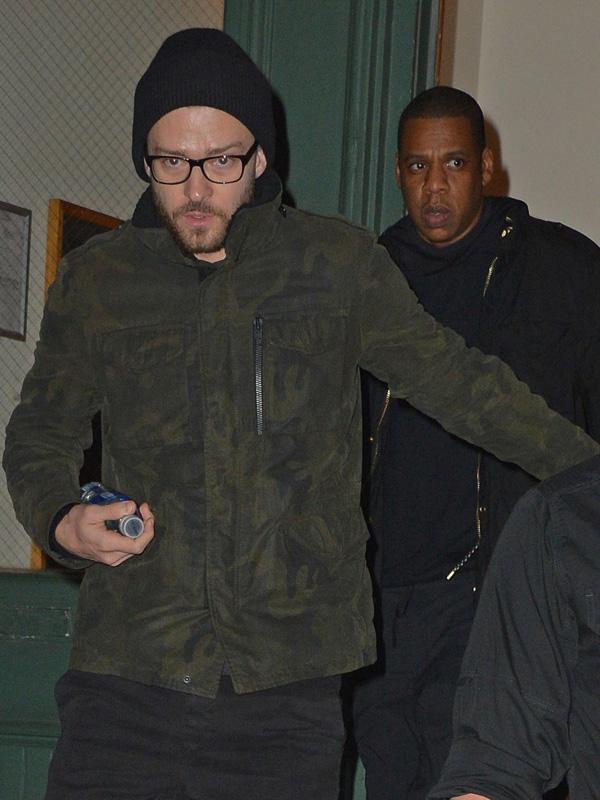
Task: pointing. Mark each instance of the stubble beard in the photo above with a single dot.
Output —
(196, 243)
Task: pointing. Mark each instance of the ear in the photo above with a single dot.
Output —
(147, 168)
(487, 166)
(260, 162)
(397, 170)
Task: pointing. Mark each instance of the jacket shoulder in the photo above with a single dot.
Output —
(333, 226)
(104, 254)
(549, 234)
(100, 244)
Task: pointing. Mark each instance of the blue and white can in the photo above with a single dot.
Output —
(130, 525)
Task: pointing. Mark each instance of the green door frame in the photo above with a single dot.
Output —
(384, 54)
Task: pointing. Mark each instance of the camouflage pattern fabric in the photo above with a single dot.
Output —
(230, 402)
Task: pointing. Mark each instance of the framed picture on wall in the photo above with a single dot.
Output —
(69, 226)
(15, 236)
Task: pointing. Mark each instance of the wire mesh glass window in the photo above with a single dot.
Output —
(69, 70)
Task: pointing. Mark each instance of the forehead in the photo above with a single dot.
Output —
(423, 134)
(199, 126)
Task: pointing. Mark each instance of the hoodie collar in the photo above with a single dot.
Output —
(413, 253)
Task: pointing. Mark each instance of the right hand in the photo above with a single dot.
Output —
(82, 532)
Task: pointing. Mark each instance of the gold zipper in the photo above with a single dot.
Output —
(490, 272)
(375, 437)
(478, 511)
(506, 231)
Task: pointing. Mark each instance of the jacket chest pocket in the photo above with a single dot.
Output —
(534, 342)
(146, 387)
(543, 353)
(299, 372)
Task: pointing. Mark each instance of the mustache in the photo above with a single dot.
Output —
(201, 206)
(436, 209)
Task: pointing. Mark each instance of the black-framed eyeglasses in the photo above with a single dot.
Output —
(225, 168)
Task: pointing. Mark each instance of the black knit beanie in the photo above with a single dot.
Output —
(202, 67)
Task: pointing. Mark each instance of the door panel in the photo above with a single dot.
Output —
(343, 70)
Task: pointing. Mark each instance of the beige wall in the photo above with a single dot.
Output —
(534, 66)
(69, 69)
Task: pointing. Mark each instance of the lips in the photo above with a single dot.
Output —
(197, 218)
(436, 216)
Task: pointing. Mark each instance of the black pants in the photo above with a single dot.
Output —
(122, 740)
(402, 707)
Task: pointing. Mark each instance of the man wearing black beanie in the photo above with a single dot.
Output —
(220, 334)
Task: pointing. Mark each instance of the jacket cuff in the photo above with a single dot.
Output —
(56, 550)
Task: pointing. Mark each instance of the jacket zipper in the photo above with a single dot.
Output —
(375, 438)
(478, 512)
(488, 277)
(478, 507)
(257, 336)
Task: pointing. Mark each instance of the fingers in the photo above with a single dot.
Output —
(146, 514)
(83, 532)
(101, 511)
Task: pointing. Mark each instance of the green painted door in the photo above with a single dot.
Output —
(343, 70)
(36, 617)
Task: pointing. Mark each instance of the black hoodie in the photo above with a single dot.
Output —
(429, 476)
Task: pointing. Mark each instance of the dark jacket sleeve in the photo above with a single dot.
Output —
(511, 737)
(474, 396)
(588, 369)
(51, 426)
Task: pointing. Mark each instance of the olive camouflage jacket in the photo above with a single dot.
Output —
(230, 401)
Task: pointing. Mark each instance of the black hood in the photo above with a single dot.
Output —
(415, 256)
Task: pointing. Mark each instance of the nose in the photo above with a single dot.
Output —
(197, 185)
(436, 181)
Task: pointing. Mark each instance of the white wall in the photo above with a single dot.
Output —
(69, 70)
(534, 66)
(461, 44)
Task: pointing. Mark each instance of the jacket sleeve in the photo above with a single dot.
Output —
(474, 396)
(588, 335)
(511, 735)
(51, 426)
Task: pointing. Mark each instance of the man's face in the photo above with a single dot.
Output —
(198, 213)
(442, 174)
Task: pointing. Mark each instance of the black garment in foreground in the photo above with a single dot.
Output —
(125, 741)
(527, 704)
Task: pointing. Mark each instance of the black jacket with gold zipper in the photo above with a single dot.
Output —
(533, 299)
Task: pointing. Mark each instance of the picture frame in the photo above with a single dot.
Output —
(70, 226)
(15, 242)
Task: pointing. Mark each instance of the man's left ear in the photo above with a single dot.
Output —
(260, 163)
(487, 166)
(397, 171)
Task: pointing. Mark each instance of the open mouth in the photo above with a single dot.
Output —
(436, 216)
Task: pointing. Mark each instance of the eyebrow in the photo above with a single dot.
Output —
(214, 151)
(447, 154)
